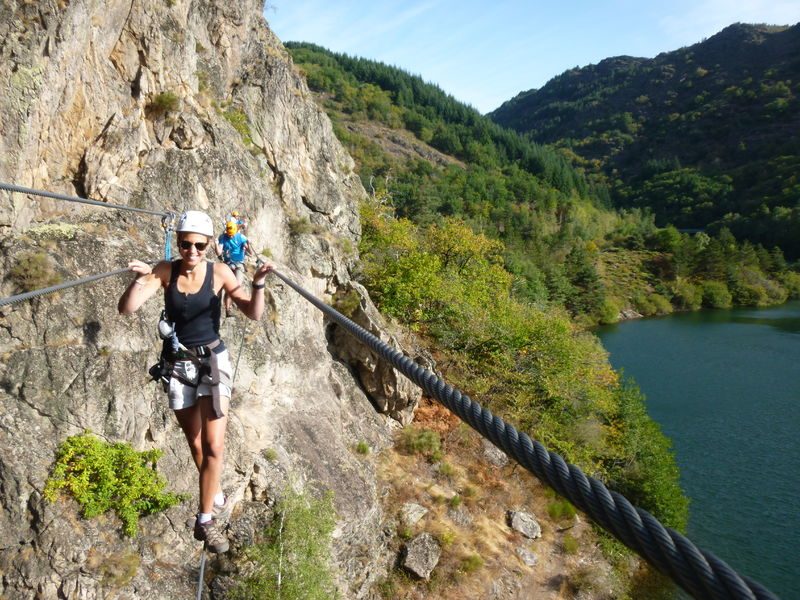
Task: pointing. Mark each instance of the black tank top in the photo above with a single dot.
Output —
(196, 316)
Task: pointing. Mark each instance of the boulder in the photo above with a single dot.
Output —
(421, 555)
(524, 523)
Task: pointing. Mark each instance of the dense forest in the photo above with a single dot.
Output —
(707, 136)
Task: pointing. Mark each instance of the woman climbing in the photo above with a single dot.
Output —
(199, 386)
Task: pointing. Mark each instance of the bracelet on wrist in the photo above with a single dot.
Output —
(138, 281)
(259, 286)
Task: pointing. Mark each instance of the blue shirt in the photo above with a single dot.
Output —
(233, 247)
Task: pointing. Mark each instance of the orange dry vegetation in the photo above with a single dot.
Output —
(467, 499)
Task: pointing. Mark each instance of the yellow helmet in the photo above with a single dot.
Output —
(231, 228)
(235, 213)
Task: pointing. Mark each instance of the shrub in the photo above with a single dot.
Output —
(420, 441)
(686, 295)
(300, 226)
(362, 447)
(791, 281)
(33, 271)
(747, 294)
(609, 311)
(469, 492)
(446, 538)
(716, 295)
(165, 102)
(102, 477)
(347, 302)
(293, 562)
(643, 304)
(455, 501)
(661, 304)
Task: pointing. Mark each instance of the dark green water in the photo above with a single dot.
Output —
(725, 386)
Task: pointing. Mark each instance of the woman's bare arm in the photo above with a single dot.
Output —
(148, 281)
(251, 305)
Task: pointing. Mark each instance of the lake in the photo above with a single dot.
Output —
(725, 386)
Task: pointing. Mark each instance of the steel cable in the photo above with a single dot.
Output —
(24, 190)
(698, 572)
(61, 286)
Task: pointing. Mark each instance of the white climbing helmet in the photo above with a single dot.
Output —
(195, 221)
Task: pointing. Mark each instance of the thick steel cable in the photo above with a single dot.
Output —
(698, 572)
(60, 286)
(24, 190)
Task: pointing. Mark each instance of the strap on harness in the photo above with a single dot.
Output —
(195, 355)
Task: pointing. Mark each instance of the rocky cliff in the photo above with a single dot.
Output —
(168, 106)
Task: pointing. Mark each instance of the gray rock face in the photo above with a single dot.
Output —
(493, 454)
(411, 513)
(421, 555)
(172, 105)
(524, 523)
(391, 391)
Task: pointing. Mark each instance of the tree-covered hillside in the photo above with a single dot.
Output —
(706, 136)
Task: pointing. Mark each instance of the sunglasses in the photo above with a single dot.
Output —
(186, 244)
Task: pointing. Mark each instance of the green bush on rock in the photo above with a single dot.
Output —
(102, 477)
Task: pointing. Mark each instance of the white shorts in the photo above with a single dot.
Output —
(182, 395)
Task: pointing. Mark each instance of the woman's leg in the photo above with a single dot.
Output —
(213, 449)
(190, 421)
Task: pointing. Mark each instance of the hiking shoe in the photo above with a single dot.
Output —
(211, 533)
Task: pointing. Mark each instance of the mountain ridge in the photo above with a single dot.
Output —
(706, 136)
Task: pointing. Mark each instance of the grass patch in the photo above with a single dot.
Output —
(362, 448)
(446, 469)
(561, 510)
(471, 563)
(569, 544)
(239, 121)
(103, 477)
(301, 226)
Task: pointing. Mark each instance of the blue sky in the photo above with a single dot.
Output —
(484, 56)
